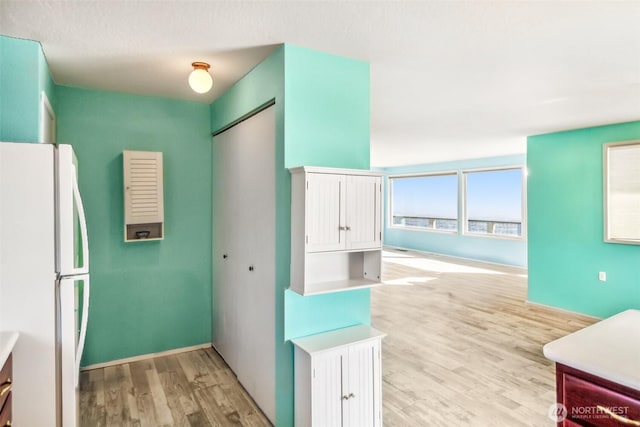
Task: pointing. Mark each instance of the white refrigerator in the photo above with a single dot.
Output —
(44, 279)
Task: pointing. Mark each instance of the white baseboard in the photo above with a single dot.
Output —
(561, 310)
(145, 356)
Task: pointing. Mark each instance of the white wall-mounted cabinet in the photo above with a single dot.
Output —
(338, 379)
(336, 229)
(143, 195)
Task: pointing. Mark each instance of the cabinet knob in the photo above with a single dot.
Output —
(251, 268)
(348, 228)
(349, 396)
(342, 228)
(225, 256)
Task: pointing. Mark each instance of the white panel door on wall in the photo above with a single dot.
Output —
(243, 254)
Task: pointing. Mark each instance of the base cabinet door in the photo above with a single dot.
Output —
(361, 403)
(328, 385)
(338, 379)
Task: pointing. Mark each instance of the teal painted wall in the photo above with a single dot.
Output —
(502, 251)
(566, 247)
(316, 125)
(24, 74)
(150, 296)
(326, 124)
(327, 110)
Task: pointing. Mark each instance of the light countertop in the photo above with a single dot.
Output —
(609, 349)
(7, 341)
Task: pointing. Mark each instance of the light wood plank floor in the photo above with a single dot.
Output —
(463, 347)
(193, 389)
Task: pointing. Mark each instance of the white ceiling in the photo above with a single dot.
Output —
(450, 80)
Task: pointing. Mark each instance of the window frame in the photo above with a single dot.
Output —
(390, 223)
(523, 203)
(607, 179)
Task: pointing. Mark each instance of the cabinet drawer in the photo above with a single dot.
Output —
(592, 404)
(5, 415)
(6, 377)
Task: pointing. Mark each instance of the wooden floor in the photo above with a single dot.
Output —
(194, 389)
(463, 349)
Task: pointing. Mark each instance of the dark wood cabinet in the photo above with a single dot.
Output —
(6, 383)
(593, 401)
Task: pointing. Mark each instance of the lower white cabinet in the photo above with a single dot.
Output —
(338, 378)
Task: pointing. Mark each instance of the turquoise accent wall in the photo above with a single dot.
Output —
(150, 296)
(566, 243)
(322, 114)
(307, 315)
(24, 74)
(327, 110)
(501, 251)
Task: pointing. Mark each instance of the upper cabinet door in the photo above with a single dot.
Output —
(363, 202)
(343, 212)
(325, 212)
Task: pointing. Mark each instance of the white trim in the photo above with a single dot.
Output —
(145, 356)
(46, 109)
(562, 310)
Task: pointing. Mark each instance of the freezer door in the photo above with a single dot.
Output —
(72, 251)
(73, 310)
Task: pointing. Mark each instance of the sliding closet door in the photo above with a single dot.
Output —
(244, 231)
(224, 327)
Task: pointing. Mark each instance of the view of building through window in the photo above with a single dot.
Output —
(492, 198)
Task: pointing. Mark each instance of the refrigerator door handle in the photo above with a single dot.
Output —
(83, 225)
(83, 326)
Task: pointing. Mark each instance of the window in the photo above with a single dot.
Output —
(622, 192)
(425, 202)
(493, 202)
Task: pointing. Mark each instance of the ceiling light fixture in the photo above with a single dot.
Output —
(200, 80)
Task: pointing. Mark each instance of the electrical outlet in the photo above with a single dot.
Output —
(602, 276)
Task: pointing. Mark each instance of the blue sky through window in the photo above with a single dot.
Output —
(493, 195)
(433, 196)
